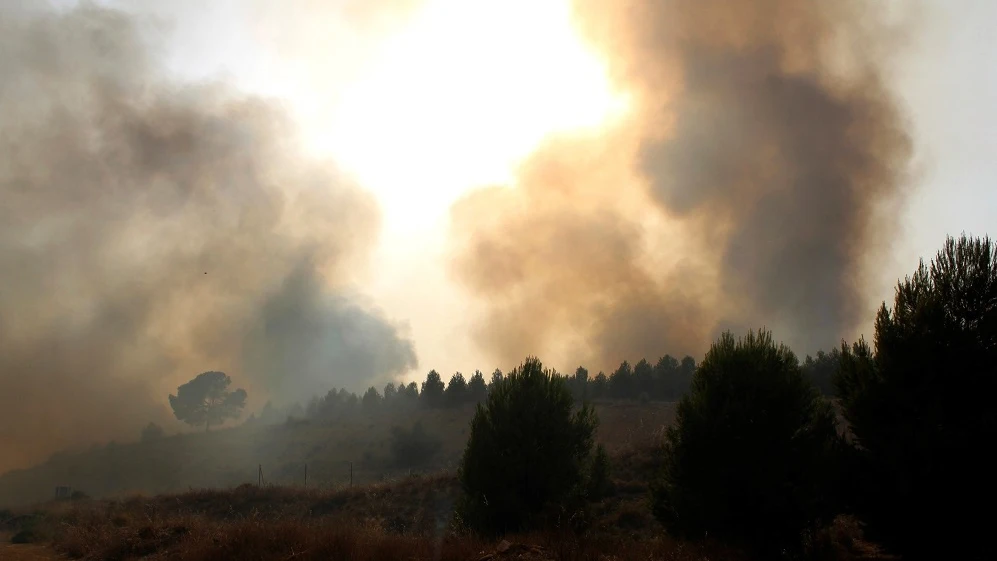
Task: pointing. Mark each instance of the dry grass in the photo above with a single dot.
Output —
(402, 517)
(196, 537)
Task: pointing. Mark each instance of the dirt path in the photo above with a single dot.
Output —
(26, 552)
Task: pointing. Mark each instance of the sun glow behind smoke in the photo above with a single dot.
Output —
(457, 98)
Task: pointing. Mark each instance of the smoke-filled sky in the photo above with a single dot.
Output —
(317, 193)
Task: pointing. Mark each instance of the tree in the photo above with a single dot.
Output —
(205, 400)
(529, 450)
(579, 384)
(666, 378)
(476, 387)
(751, 455)
(371, 400)
(411, 392)
(390, 392)
(686, 372)
(432, 390)
(456, 392)
(920, 409)
(643, 380)
(600, 385)
(496, 379)
(822, 369)
(621, 382)
(152, 432)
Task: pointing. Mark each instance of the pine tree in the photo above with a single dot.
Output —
(751, 456)
(921, 412)
(529, 450)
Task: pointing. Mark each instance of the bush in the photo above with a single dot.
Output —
(750, 458)
(599, 484)
(529, 450)
(414, 447)
(152, 432)
(920, 409)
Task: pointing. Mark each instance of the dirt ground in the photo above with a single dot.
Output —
(25, 552)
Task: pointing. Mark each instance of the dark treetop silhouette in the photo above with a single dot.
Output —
(205, 400)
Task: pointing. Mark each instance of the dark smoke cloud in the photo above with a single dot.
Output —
(762, 133)
(151, 230)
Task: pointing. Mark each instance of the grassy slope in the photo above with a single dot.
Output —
(411, 518)
(229, 457)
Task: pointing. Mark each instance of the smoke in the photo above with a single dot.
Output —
(750, 185)
(151, 230)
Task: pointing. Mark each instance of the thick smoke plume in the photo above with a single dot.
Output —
(151, 230)
(746, 188)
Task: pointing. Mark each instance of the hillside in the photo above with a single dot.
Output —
(230, 457)
(409, 518)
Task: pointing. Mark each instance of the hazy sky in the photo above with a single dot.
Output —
(382, 91)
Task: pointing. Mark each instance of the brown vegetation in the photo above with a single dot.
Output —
(411, 518)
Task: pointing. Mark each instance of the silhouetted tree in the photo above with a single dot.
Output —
(152, 432)
(822, 368)
(579, 384)
(476, 387)
(528, 450)
(621, 382)
(686, 372)
(432, 390)
(456, 392)
(600, 385)
(666, 378)
(496, 378)
(205, 400)
(643, 378)
(390, 393)
(411, 392)
(921, 409)
(751, 456)
(371, 399)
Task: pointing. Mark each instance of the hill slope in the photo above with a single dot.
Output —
(230, 457)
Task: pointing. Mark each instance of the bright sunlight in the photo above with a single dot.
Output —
(458, 98)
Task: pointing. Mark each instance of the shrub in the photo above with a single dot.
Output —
(750, 457)
(920, 409)
(529, 450)
(414, 447)
(599, 484)
(152, 432)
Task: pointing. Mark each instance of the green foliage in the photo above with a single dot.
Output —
(643, 380)
(496, 378)
(621, 382)
(822, 368)
(921, 412)
(152, 432)
(600, 385)
(413, 447)
(205, 400)
(476, 387)
(390, 393)
(579, 384)
(751, 456)
(529, 450)
(599, 482)
(456, 392)
(371, 400)
(432, 390)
